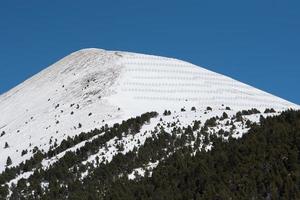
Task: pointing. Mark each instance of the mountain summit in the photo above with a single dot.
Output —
(93, 87)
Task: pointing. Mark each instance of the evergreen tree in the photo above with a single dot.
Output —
(8, 161)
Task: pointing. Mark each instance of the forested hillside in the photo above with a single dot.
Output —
(264, 164)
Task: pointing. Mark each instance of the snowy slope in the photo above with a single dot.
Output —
(93, 87)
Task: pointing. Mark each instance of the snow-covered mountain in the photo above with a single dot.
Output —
(94, 87)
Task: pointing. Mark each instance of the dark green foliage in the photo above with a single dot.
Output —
(2, 134)
(224, 116)
(60, 170)
(167, 112)
(11, 172)
(250, 112)
(248, 124)
(239, 117)
(228, 108)
(268, 110)
(24, 152)
(196, 125)
(8, 161)
(3, 191)
(264, 164)
(211, 122)
(6, 145)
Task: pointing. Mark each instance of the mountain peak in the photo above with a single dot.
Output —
(93, 87)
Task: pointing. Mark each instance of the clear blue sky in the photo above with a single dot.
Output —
(257, 41)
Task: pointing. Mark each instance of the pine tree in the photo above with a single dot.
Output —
(165, 113)
(224, 116)
(209, 108)
(8, 161)
(3, 133)
(6, 145)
